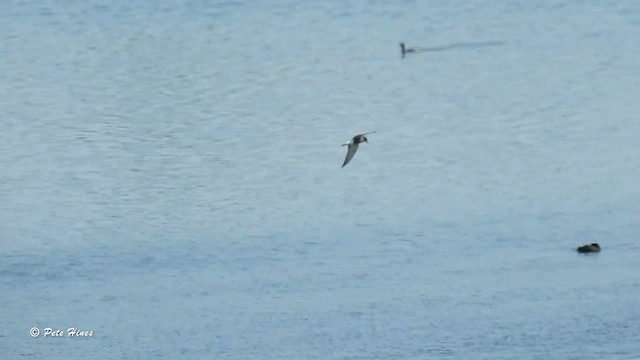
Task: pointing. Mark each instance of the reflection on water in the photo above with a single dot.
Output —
(463, 45)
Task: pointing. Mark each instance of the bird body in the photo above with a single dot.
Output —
(589, 248)
(353, 146)
(405, 50)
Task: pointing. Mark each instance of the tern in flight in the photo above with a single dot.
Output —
(353, 146)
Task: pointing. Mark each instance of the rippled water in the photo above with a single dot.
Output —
(171, 179)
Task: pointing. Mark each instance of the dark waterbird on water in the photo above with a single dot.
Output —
(462, 45)
(353, 146)
(589, 248)
(405, 50)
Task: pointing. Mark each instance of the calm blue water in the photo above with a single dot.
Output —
(171, 179)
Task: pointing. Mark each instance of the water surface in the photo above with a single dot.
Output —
(171, 179)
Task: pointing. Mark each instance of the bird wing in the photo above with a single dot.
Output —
(367, 133)
(352, 151)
